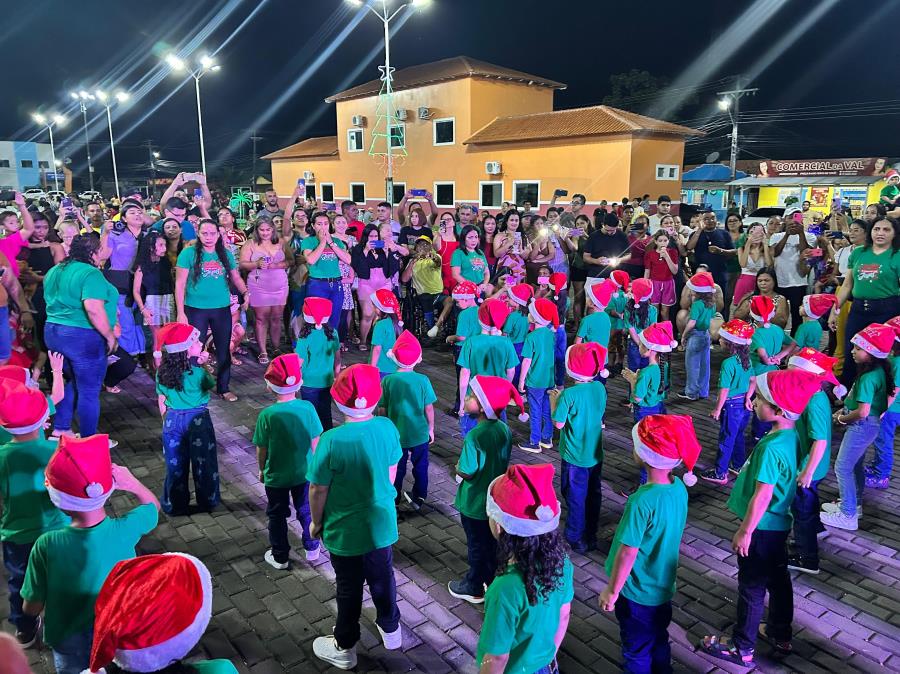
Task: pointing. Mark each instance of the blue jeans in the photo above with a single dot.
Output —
(73, 654)
(539, 414)
(518, 347)
(15, 559)
(132, 337)
(278, 511)
(848, 467)
(644, 633)
(375, 569)
(805, 509)
(330, 290)
(633, 357)
(696, 364)
(883, 461)
(189, 438)
(559, 356)
(6, 334)
(581, 489)
(321, 400)
(84, 367)
(482, 553)
(419, 454)
(732, 424)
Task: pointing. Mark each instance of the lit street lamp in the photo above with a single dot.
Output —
(83, 97)
(206, 64)
(44, 121)
(106, 101)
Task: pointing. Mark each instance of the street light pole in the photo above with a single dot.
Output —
(207, 64)
(49, 122)
(200, 122)
(87, 143)
(732, 103)
(53, 158)
(107, 103)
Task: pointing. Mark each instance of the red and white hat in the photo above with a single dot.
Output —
(892, 173)
(817, 306)
(621, 278)
(702, 282)
(387, 302)
(465, 291)
(492, 315)
(737, 331)
(762, 309)
(790, 390)
(585, 361)
(666, 440)
(151, 611)
(875, 339)
(521, 294)
(22, 409)
(285, 373)
(406, 352)
(18, 374)
(523, 500)
(544, 312)
(174, 338)
(600, 294)
(658, 337)
(79, 474)
(641, 290)
(819, 364)
(892, 322)
(558, 281)
(494, 394)
(357, 390)
(316, 310)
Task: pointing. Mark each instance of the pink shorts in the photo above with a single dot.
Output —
(663, 292)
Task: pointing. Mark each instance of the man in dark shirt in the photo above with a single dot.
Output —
(604, 248)
(712, 246)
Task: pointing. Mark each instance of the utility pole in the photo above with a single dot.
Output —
(151, 185)
(731, 101)
(254, 138)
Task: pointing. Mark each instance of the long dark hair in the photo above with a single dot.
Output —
(221, 253)
(742, 351)
(895, 243)
(307, 328)
(364, 238)
(395, 319)
(144, 260)
(639, 317)
(539, 559)
(462, 240)
(172, 368)
(874, 364)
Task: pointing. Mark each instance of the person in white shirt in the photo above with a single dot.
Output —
(663, 208)
(787, 248)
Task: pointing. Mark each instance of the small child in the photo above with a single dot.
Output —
(559, 284)
(809, 334)
(639, 314)
(646, 383)
(769, 345)
(182, 388)
(485, 456)
(695, 338)
(878, 473)
(596, 326)
(526, 608)
(661, 266)
(464, 294)
(385, 331)
(578, 414)
(23, 375)
(762, 496)
(67, 566)
(616, 311)
(319, 350)
(516, 325)
(408, 400)
(537, 375)
(732, 409)
(286, 435)
(643, 559)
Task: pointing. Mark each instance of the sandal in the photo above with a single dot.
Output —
(722, 649)
(781, 647)
(229, 396)
(263, 358)
(113, 389)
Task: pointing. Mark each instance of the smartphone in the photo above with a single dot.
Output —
(329, 206)
(301, 182)
(835, 235)
(66, 202)
(378, 244)
(836, 204)
(418, 193)
(198, 192)
(543, 280)
(798, 217)
(815, 230)
(517, 238)
(474, 209)
(577, 231)
(815, 252)
(7, 195)
(560, 193)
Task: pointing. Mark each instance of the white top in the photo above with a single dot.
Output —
(786, 264)
(753, 266)
(842, 257)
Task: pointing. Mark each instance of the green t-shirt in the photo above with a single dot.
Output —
(646, 388)
(815, 424)
(516, 327)
(27, 509)
(581, 407)
(895, 364)
(770, 339)
(383, 335)
(875, 277)
(595, 327)
(327, 265)
(653, 522)
(702, 314)
(467, 323)
(197, 383)
(512, 625)
(215, 667)
(67, 286)
(471, 267)
(318, 353)
(489, 355)
(734, 377)
(286, 430)
(808, 334)
(210, 290)
(67, 568)
(890, 191)
(869, 388)
(652, 317)
(405, 394)
(353, 460)
(539, 346)
(773, 461)
(617, 304)
(484, 456)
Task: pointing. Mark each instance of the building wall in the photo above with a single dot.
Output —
(648, 152)
(17, 176)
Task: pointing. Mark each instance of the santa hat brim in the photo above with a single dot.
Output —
(660, 348)
(762, 386)
(700, 289)
(381, 307)
(293, 388)
(517, 300)
(734, 339)
(808, 309)
(78, 504)
(759, 319)
(312, 320)
(577, 376)
(868, 347)
(22, 430)
(355, 412)
(536, 315)
(518, 526)
(178, 347)
(648, 456)
(406, 366)
(482, 398)
(463, 296)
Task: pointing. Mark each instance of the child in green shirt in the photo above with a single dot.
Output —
(464, 295)
(695, 340)
(320, 354)
(639, 315)
(878, 473)
(769, 346)
(646, 384)
(809, 334)
(596, 326)
(616, 311)
(385, 331)
(538, 373)
(516, 326)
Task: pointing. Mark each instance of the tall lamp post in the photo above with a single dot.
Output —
(43, 120)
(83, 97)
(206, 64)
(731, 102)
(106, 101)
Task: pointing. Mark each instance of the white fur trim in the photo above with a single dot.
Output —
(354, 412)
(390, 354)
(515, 298)
(487, 329)
(766, 322)
(482, 398)
(734, 339)
(380, 306)
(594, 300)
(805, 365)
(533, 312)
(77, 504)
(462, 296)
(293, 388)
(183, 346)
(312, 321)
(518, 526)
(700, 289)
(868, 347)
(762, 385)
(647, 454)
(659, 348)
(22, 430)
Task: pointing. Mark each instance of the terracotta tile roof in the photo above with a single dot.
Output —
(600, 120)
(443, 71)
(323, 146)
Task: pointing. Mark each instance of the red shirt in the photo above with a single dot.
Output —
(659, 270)
(355, 228)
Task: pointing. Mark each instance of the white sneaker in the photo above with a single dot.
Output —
(326, 648)
(835, 507)
(392, 640)
(840, 521)
(432, 331)
(313, 555)
(113, 443)
(270, 560)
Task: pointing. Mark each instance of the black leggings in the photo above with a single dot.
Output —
(219, 322)
(794, 295)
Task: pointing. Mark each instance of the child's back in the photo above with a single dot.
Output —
(318, 352)
(809, 334)
(540, 348)
(384, 334)
(196, 385)
(485, 455)
(582, 407)
(27, 509)
(773, 461)
(286, 430)
(488, 355)
(405, 394)
(769, 338)
(595, 327)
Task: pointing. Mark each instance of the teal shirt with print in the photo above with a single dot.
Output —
(210, 289)
(471, 267)
(808, 334)
(734, 377)
(539, 347)
(489, 355)
(384, 335)
(327, 266)
(646, 387)
(771, 339)
(815, 424)
(773, 461)
(701, 315)
(595, 327)
(581, 408)
(318, 354)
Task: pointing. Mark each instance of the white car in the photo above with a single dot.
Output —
(34, 193)
(762, 215)
(59, 195)
(89, 195)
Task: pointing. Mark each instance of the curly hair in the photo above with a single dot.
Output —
(742, 351)
(539, 559)
(307, 328)
(221, 253)
(82, 249)
(172, 369)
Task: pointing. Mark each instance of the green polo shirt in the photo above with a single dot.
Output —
(808, 334)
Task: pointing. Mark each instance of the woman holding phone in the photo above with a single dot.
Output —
(446, 244)
(323, 253)
(371, 265)
(578, 269)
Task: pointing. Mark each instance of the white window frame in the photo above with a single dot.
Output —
(396, 185)
(481, 184)
(401, 125)
(537, 203)
(667, 170)
(434, 131)
(364, 193)
(322, 187)
(452, 203)
(362, 142)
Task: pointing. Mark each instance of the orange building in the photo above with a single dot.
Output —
(473, 132)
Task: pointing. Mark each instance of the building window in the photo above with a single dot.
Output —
(491, 194)
(445, 194)
(310, 190)
(355, 140)
(667, 171)
(527, 190)
(327, 192)
(44, 164)
(445, 131)
(27, 163)
(4, 163)
(399, 193)
(398, 135)
(358, 193)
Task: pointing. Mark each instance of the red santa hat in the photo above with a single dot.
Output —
(387, 302)
(600, 294)
(22, 409)
(465, 291)
(658, 337)
(357, 390)
(79, 474)
(621, 278)
(641, 290)
(790, 390)
(285, 373)
(494, 394)
(558, 281)
(817, 306)
(818, 363)
(492, 315)
(702, 282)
(521, 294)
(894, 323)
(406, 352)
(18, 374)
(875, 339)
(151, 612)
(666, 440)
(174, 338)
(544, 312)
(316, 311)
(762, 309)
(585, 361)
(892, 173)
(523, 500)
(737, 331)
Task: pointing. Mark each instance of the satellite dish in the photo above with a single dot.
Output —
(712, 157)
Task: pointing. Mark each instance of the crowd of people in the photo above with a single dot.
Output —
(539, 310)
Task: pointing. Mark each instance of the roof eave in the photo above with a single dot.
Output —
(547, 84)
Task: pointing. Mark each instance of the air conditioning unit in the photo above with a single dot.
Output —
(309, 176)
(424, 113)
(493, 168)
(358, 120)
(402, 114)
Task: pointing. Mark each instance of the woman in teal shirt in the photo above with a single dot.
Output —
(322, 254)
(468, 262)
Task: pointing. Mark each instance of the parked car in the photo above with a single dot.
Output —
(762, 215)
(59, 195)
(90, 195)
(34, 194)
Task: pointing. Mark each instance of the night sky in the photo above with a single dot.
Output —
(817, 64)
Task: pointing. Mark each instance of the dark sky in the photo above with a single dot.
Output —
(816, 63)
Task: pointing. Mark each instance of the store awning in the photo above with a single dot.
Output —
(703, 185)
(798, 181)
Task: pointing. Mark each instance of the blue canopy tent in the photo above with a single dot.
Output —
(707, 185)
